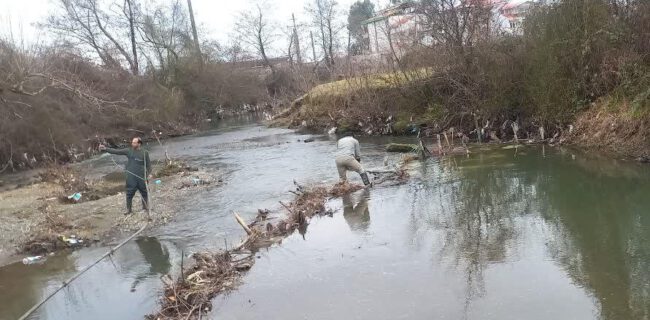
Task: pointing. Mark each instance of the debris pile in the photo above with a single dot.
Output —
(174, 167)
(211, 274)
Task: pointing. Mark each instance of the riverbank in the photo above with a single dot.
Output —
(36, 216)
(614, 129)
(618, 131)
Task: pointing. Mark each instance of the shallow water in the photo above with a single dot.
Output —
(532, 233)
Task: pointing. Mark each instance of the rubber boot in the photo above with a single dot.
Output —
(129, 206)
(364, 177)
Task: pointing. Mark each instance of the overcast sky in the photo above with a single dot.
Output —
(216, 17)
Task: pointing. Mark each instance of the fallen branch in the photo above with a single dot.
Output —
(243, 224)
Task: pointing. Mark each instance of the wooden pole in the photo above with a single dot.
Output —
(78, 274)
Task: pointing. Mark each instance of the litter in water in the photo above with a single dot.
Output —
(71, 241)
(34, 259)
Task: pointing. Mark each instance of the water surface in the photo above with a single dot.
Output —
(532, 233)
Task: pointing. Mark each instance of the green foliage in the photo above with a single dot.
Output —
(359, 12)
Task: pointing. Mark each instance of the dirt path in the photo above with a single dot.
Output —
(33, 217)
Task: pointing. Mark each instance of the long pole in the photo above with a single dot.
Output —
(67, 282)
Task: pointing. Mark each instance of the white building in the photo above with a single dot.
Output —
(397, 28)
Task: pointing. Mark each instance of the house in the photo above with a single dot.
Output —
(514, 13)
(395, 29)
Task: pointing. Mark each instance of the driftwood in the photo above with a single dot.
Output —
(189, 297)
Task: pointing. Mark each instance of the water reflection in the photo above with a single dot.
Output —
(155, 255)
(604, 223)
(600, 222)
(27, 283)
(355, 210)
(480, 226)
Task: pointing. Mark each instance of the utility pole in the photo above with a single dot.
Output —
(313, 48)
(196, 36)
(297, 40)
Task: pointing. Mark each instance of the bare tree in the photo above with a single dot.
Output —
(165, 34)
(457, 25)
(324, 14)
(87, 23)
(256, 31)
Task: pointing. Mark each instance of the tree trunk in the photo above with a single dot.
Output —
(134, 67)
(297, 40)
(194, 33)
(313, 46)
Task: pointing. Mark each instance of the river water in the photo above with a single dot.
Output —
(527, 233)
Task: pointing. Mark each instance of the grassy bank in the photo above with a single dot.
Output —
(571, 59)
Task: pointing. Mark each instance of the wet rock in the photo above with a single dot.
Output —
(643, 159)
(400, 147)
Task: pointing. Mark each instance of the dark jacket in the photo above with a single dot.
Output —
(138, 161)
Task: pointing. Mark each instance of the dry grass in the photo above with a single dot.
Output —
(613, 131)
(174, 167)
(71, 180)
(374, 81)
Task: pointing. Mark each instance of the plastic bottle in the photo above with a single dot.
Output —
(34, 259)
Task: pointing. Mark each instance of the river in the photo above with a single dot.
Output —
(527, 233)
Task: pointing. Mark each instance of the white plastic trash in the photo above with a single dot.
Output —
(34, 259)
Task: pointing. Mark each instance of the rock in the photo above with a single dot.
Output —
(399, 147)
(308, 140)
(643, 159)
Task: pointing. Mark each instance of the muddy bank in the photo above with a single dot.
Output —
(330, 113)
(618, 132)
(36, 216)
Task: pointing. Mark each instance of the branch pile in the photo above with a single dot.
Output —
(189, 297)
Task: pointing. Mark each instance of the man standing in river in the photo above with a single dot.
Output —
(138, 169)
(348, 157)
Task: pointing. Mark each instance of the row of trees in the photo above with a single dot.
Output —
(112, 67)
(463, 70)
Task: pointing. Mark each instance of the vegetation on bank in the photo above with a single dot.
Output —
(570, 56)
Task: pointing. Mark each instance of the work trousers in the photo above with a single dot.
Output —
(347, 163)
(134, 184)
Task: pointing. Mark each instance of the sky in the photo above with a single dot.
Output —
(215, 17)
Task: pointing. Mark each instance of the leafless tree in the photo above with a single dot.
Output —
(256, 31)
(89, 23)
(457, 25)
(324, 14)
(165, 34)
